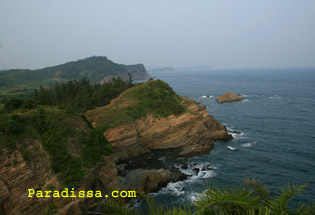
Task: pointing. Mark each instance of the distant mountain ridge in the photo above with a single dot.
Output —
(96, 69)
(163, 69)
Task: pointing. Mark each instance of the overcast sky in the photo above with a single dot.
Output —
(218, 33)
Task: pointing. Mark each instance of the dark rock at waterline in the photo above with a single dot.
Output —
(196, 170)
(185, 166)
(178, 176)
(147, 180)
(207, 167)
(234, 132)
(121, 167)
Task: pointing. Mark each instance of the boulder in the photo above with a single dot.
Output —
(147, 180)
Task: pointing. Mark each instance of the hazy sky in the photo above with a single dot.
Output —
(218, 33)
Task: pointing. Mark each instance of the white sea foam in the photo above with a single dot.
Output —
(235, 134)
(231, 148)
(194, 196)
(245, 100)
(175, 189)
(194, 172)
(275, 97)
(248, 144)
(207, 96)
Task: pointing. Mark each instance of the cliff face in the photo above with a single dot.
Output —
(17, 177)
(138, 72)
(193, 132)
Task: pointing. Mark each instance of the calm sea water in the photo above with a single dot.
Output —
(276, 125)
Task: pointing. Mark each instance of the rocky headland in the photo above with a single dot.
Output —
(190, 132)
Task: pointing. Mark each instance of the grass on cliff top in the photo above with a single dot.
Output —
(152, 97)
(73, 147)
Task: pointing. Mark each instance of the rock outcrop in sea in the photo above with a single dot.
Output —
(229, 97)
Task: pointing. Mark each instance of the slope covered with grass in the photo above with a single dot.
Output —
(152, 97)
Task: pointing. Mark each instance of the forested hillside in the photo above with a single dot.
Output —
(95, 69)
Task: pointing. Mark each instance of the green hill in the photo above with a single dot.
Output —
(151, 97)
(96, 69)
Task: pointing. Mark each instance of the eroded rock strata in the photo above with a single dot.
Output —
(193, 132)
(17, 176)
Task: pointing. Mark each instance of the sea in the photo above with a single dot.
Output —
(273, 130)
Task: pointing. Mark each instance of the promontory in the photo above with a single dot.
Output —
(80, 135)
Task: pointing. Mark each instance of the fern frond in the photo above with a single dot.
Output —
(279, 204)
(236, 200)
(257, 186)
(116, 208)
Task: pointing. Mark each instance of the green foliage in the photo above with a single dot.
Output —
(6, 96)
(93, 68)
(9, 125)
(151, 97)
(116, 208)
(159, 99)
(19, 104)
(80, 95)
(251, 199)
(56, 131)
(52, 209)
(95, 146)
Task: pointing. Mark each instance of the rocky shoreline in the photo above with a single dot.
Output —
(190, 134)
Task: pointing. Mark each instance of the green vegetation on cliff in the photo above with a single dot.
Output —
(80, 95)
(152, 97)
(53, 120)
(72, 145)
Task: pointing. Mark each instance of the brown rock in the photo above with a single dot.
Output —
(229, 97)
(193, 131)
(16, 177)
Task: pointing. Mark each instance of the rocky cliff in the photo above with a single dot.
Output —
(193, 132)
(17, 176)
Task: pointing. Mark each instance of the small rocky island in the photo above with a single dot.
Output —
(229, 97)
